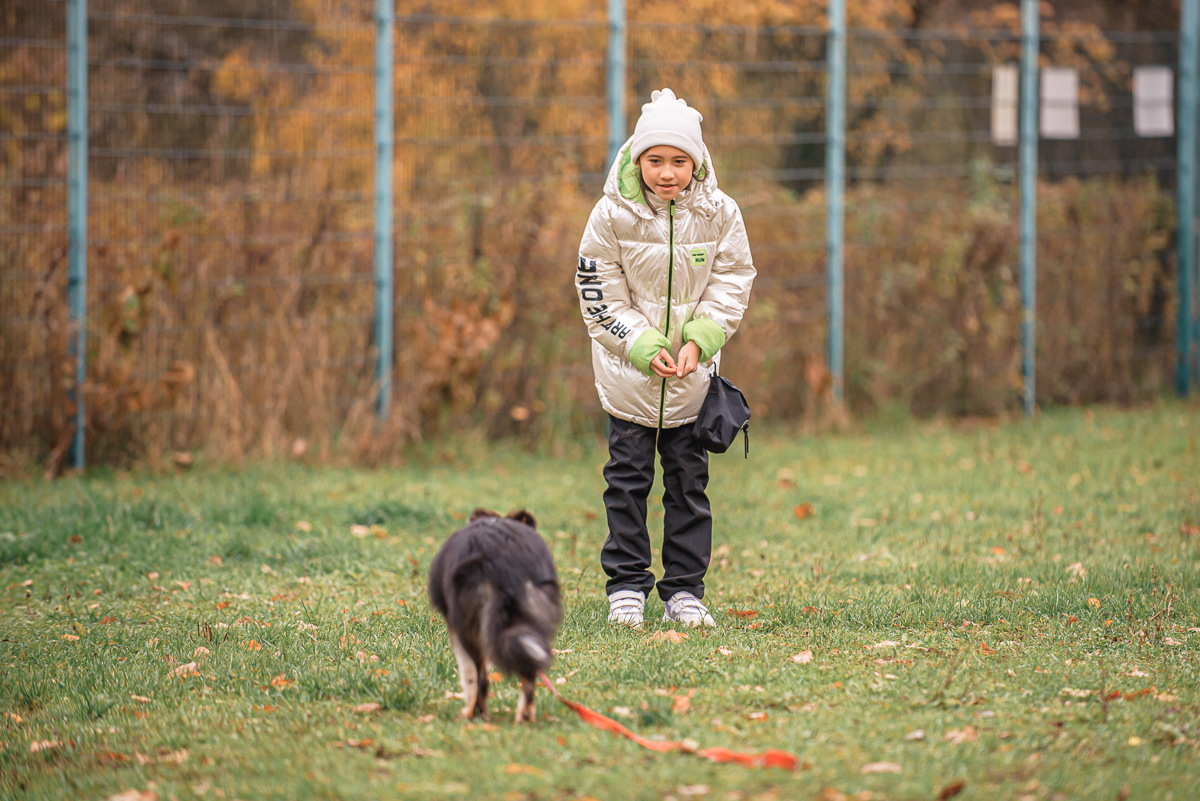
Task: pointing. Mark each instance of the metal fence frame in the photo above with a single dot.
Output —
(1188, 328)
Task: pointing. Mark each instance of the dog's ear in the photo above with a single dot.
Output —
(478, 513)
(522, 516)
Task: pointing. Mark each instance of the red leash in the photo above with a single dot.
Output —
(768, 759)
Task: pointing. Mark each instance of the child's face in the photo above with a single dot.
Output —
(666, 170)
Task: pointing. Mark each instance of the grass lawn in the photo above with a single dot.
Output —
(1010, 610)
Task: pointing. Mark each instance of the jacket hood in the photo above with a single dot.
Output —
(623, 187)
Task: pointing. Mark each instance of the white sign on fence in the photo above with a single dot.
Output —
(1060, 103)
(1004, 104)
(1153, 110)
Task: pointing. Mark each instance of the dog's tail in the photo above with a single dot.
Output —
(519, 636)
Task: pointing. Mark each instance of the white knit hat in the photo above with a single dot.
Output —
(667, 120)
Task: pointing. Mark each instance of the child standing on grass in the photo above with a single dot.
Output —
(663, 281)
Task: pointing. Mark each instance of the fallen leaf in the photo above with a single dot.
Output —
(361, 656)
(997, 550)
(881, 767)
(681, 704)
(513, 768)
(14, 717)
(669, 636)
(495, 677)
(1077, 570)
(803, 511)
(184, 670)
(43, 745)
(184, 585)
(266, 570)
(426, 718)
(951, 790)
(222, 604)
(360, 531)
(957, 736)
(303, 525)
(745, 614)
(622, 711)
(76, 539)
(201, 651)
(370, 707)
(140, 699)
(724, 652)
(690, 790)
(919, 734)
(803, 658)
(70, 637)
(1076, 693)
(253, 645)
(1094, 603)
(134, 795)
(108, 619)
(153, 575)
(1137, 673)
(884, 644)
(757, 717)
(282, 682)
(215, 561)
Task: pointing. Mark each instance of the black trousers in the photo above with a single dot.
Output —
(687, 525)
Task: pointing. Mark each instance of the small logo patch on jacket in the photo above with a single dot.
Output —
(699, 257)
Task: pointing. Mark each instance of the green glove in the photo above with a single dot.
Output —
(707, 334)
(646, 347)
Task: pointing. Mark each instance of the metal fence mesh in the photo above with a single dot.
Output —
(231, 157)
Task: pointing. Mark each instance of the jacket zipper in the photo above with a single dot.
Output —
(662, 396)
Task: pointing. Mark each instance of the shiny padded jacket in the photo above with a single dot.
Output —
(645, 263)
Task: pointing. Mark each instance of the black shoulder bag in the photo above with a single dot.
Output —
(724, 413)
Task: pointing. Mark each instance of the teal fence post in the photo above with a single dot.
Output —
(1028, 187)
(1186, 189)
(77, 198)
(616, 78)
(385, 20)
(835, 179)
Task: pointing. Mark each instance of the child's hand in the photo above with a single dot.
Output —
(663, 365)
(689, 359)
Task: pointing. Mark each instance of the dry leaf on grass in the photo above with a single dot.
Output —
(370, 707)
(185, 670)
(1136, 673)
(253, 645)
(803, 511)
(140, 698)
(881, 767)
(303, 525)
(950, 790)
(724, 652)
(43, 745)
(884, 644)
(360, 531)
(70, 637)
(757, 717)
(803, 658)
(513, 768)
(919, 734)
(495, 677)
(957, 736)
(669, 636)
(134, 795)
(201, 651)
(681, 704)
(282, 682)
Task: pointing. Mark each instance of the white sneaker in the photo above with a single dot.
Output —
(685, 608)
(626, 607)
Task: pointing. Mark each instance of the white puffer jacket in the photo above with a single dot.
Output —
(631, 259)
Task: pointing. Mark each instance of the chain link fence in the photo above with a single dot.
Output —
(230, 288)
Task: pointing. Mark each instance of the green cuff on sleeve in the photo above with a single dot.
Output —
(707, 334)
(646, 347)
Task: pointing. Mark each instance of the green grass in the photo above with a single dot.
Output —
(1026, 572)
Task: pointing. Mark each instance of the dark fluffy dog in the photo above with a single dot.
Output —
(494, 581)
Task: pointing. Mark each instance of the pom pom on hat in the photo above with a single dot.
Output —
(668, 120)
